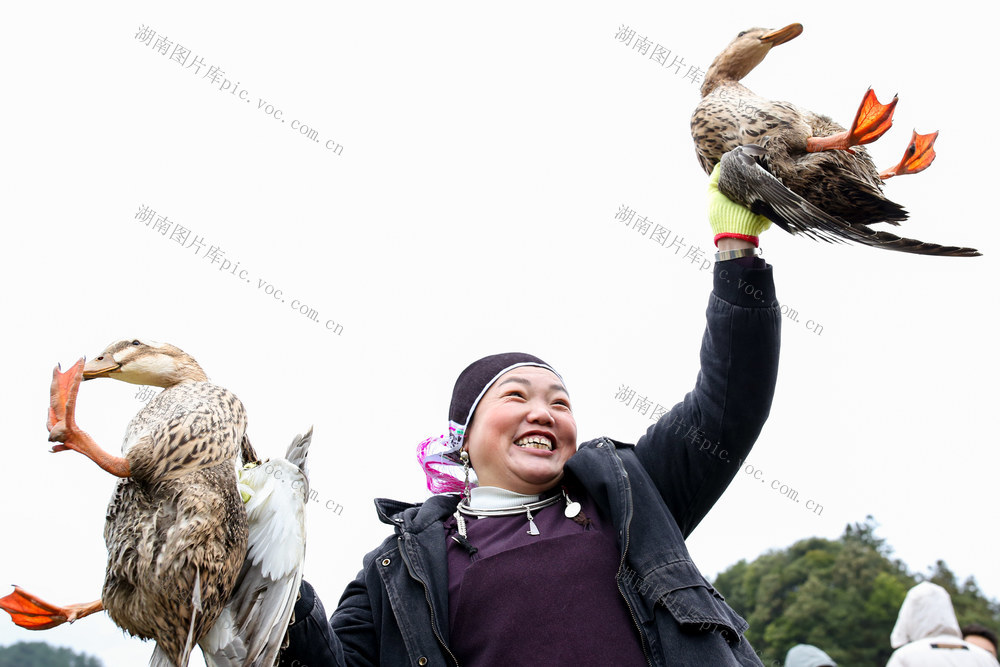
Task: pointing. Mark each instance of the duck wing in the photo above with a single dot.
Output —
(250, 631)
(743, 179)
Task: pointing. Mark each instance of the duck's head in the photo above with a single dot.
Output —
(144, 362)
(746, 52)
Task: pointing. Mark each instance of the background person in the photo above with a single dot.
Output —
(981, 636)
(807, 655)
(926, 633)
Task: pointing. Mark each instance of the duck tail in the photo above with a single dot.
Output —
(299, 450)
(859, 205)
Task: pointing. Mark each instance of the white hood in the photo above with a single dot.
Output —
(926, 612)
(807, 655)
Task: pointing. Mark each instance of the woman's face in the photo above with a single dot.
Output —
(523, 432)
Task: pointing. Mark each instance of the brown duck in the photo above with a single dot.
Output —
(800, 169)
(205, 546)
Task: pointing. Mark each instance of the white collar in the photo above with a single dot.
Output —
(493, 497)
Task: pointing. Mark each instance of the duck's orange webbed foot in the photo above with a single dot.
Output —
(918, 156)
(62, 426)
(33, 613)
(61, 423)
(872, 121)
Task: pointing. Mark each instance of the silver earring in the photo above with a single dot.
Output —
(467, 491)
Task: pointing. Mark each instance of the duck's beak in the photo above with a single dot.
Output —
(100, 367)
(782, 35)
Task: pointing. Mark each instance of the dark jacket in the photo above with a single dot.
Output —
(655, 492)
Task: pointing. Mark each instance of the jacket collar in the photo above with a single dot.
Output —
(416, 517)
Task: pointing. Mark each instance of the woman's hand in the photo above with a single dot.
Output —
(735, 226)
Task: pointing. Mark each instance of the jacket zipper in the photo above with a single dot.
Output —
(628, 524)
(427, 596)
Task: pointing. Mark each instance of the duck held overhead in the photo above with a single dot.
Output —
(800, 169)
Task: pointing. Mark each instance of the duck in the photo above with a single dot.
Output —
(205, 541)
(800, 169)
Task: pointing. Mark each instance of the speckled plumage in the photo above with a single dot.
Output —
(179, 515)
(837, 182)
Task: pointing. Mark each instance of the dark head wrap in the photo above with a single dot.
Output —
(437, 453)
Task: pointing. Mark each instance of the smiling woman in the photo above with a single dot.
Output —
(528, 550)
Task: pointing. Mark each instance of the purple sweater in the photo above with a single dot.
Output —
(550, 599)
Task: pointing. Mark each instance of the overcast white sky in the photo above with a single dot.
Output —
(471, 210)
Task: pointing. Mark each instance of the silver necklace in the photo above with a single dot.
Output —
(572, 509)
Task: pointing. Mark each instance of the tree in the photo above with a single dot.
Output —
(40, 654)
(840, 595)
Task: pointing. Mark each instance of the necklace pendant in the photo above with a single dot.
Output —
(572, 509)
(532, 528)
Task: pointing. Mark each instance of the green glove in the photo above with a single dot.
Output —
(729, 219)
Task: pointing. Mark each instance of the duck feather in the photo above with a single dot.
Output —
(251, 628)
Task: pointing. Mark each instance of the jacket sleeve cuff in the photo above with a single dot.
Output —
(745, 282)
(305, 604)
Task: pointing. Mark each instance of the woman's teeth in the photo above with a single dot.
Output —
(535, 442)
